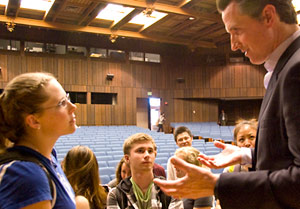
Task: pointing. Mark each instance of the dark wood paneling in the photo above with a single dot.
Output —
(202, 85)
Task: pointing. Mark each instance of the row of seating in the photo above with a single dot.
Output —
(208, 130)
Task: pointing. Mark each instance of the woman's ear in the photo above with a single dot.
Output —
(32, 121)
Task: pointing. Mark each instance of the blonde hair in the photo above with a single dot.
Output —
(81, 168)
(23, 95)
(136, 138)
(189, 154)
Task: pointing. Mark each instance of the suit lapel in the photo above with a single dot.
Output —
(280, 65)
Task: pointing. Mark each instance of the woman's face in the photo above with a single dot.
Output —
(57, 117)
(246, 136)
(125, 171)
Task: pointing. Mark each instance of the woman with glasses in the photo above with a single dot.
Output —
(34, 112)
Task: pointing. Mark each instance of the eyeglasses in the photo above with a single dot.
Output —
(62, 103)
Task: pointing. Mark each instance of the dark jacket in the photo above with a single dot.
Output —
(276, 182)
(123, 196)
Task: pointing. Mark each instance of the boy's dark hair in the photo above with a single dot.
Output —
(180, 130)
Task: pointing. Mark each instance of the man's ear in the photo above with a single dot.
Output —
(32, 121)
(126, 158)
(269, 14)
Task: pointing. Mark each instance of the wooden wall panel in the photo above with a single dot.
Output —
(202, 87)
(3, 65)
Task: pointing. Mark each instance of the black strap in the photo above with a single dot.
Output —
(11, 155)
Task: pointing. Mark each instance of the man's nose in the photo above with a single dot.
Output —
(234, 43)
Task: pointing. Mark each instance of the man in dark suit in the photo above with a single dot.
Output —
(267, 32)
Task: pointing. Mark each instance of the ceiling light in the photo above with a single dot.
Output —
(43, 5)
(113, 38)
(148, 12)
(10, 26)
(141, 19)
(4, 2)
(114, 12)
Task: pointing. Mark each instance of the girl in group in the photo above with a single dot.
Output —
(122, 172)
(81, 168)
(244, 134)
(34, 112)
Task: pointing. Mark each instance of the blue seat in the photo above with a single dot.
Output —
(105, 179)
(113, 163)
(217, 171)
(107, 171)
(115, 152)
(161, 160)
(102, 164)
(211, 152)
(104, 158)
(162, 154)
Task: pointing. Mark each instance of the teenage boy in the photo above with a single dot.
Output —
(183, 138)
(138, 191)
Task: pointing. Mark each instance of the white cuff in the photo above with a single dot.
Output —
(246, 156)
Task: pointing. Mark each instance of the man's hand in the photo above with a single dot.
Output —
(198, 182)
(230, 155)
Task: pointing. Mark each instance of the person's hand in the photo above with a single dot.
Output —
(198, 182)
(230, 155)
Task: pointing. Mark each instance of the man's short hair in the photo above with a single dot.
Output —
(254, 8)
(180, 130)
(137, 138)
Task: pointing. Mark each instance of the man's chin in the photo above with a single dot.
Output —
(256, 61)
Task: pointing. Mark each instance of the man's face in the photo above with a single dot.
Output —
(184, 140)
(252, 36)
(142, 156)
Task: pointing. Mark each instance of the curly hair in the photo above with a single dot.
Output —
(189, 154)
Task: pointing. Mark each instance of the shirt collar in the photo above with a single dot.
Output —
(276, 54)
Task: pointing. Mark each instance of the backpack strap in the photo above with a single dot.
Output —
(121, 198)
(12, 155)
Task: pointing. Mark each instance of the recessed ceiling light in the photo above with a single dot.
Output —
(43, 5)
(142, 19)
(114, 12)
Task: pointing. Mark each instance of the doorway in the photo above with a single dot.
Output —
(148, 111)
(154, 112)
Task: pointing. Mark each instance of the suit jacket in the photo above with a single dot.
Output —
(276, 182)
